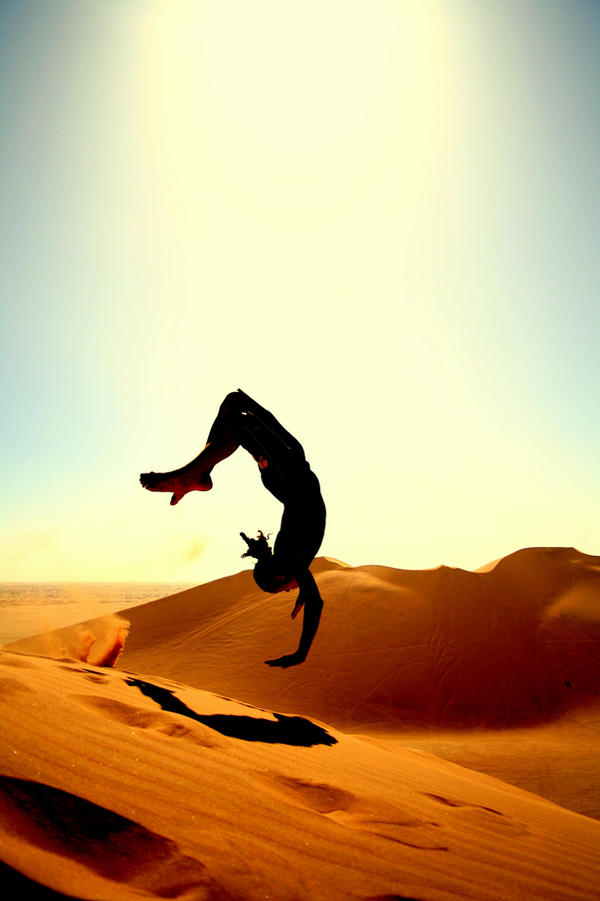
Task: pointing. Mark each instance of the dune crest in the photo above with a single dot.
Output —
(515, 645)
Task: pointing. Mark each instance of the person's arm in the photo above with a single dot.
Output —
(310, 599)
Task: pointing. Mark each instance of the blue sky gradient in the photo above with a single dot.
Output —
(380, 219)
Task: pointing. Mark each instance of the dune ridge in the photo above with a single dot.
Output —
(429, 644)
(409, 647)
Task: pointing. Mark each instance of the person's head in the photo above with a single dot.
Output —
(269, 577)
(268, 573)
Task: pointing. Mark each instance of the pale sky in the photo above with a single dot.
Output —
(378, 218)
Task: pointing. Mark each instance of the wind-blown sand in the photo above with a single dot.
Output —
(192, 770)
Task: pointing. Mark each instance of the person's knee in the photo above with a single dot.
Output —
(232, 402)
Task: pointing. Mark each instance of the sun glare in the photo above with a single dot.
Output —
(294, 77)
(286, 115)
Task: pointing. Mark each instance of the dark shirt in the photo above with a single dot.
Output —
(286, 474)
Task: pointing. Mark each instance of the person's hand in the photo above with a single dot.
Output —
(287, 660)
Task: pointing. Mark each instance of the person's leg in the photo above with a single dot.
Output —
(195, 476)
(268, 424)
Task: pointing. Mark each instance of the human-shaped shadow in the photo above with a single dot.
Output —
(288, 730)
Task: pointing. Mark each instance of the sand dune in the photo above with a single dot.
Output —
(516, 645)
(119, 787)
(192, 770)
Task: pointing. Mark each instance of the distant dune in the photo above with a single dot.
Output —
(215, 776)
(515, 645)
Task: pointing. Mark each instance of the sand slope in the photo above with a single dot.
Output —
(515, 645)
(170, 776)
(117, 786)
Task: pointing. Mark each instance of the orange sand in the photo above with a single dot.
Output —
(335, 779)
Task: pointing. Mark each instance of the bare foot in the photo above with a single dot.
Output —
(178, 482)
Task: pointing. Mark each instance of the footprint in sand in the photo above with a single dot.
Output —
(483, 815)
(392, 898)
(144, 719)
(90, 674)
(376, 817)
(318, 796)
(11, 686)
(60, 824)
(94, 677)
(18, 662)
(449, 802)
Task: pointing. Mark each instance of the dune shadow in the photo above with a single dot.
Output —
(287, 730)
(17, 885)
(67, 829)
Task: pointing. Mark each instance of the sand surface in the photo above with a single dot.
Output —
(441, 741)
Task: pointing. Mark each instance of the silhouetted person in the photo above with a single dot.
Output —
(285, 472)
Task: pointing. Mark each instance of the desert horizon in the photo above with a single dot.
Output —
(440, 741)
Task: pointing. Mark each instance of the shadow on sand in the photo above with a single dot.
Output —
(288, 730)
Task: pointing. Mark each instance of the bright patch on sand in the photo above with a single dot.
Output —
(102, 647)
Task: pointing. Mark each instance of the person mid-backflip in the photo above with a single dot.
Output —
(285, 472)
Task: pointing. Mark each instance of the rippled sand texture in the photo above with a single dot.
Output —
(188, 769)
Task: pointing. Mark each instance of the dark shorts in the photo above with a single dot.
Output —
(283, 467)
